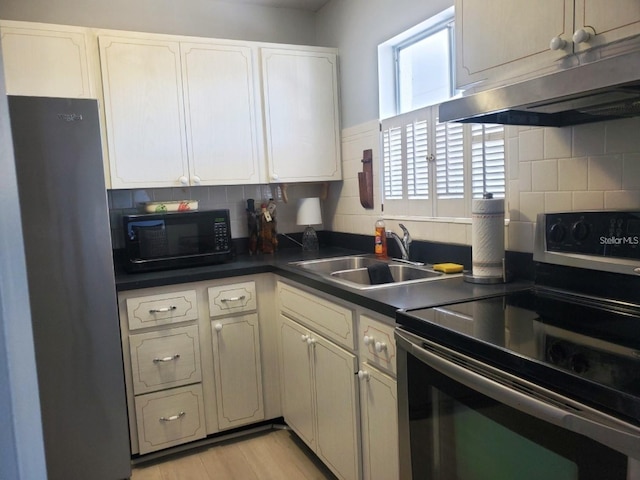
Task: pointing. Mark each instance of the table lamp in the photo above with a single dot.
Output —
(309, 214)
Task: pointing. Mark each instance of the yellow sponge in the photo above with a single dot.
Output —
(448, 267)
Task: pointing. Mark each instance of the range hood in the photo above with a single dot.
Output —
(602, 90)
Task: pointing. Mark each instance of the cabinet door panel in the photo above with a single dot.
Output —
(49, 62)
(297, 384)
(337, 408)
(224, 142)
(301, 114)
(238, 370)
(609, 24)
(503, 39)
(144, 112)
(378, 393)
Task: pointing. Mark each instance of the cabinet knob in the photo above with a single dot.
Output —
(363, 375)
(557, 43)
(275, 177)
(581, 36)
(311, 341)
(304, 338)
(183, 181)
(196, 180)
(218, 327)
(380, 347)
(367, 340)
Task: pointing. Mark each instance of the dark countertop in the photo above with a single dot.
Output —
(385, 301)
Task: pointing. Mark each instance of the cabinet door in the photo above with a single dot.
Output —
(301, 115)
(144, 112)
(606, 23)
(338, 438)
(297, 384)
(225, 146)
(238, 370)
(378, 394)
(45, 61)
(505, 39)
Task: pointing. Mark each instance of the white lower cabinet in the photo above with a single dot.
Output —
(319, 382)
(171, 417)
(378, 401)
(236, 359)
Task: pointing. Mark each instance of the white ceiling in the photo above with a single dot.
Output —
(307, 5)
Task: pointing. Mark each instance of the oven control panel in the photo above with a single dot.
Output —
(612, 234)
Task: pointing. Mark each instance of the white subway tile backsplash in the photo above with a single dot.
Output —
(573, 173)
(121, 199)
(617, 137)
(531, 145)
(513, 158)
(588, 139)
(558, 201)
(605, 172)
(622, 200)
(544, 176)
(557, 142)
(520, 236)
(531, 203)
(525, 180)
(588, 200)
(631, 171)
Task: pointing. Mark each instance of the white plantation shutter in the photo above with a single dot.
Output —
(392, 163)
(487, 160)
(449, 160)
(469, 160)
(417, 159)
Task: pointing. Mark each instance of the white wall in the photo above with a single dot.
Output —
(207, 18)
(594, 166)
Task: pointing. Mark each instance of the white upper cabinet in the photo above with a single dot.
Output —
(46, 60)
(144, 112)
(503, 41)
(300, 90)
(222, 114)
(604, 22)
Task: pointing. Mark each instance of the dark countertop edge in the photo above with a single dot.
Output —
(384, 301)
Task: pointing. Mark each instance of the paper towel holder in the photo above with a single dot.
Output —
(492, 280)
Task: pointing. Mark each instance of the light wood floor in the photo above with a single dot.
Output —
(272, 455)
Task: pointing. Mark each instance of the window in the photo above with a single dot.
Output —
(431, 169)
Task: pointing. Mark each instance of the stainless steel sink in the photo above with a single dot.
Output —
(352, 271)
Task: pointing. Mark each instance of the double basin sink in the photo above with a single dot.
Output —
(352, 271)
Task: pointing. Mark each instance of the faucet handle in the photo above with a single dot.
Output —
(406, 237)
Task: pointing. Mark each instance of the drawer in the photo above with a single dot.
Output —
(377, 344)
(165, 359)
(226, 299)
(327, 318)
(164, 309)
(169, 418)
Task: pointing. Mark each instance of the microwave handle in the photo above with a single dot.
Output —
(603, 428)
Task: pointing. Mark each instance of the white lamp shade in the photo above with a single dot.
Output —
(309, 211)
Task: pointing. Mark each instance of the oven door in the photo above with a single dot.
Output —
(462, 419)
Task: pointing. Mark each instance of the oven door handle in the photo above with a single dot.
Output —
(527, 397)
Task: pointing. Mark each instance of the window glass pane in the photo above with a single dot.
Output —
(424, 71)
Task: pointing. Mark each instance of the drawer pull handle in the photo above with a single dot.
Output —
(167, 359)
(172, 417)
(163, 309)
(232, 299)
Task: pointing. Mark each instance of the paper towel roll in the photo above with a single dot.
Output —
(487, 237)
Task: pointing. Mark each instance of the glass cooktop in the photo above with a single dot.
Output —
(588, 349)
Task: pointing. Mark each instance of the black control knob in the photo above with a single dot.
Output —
(579, 363)
(557, 353)
(557, 233)
(580, 230)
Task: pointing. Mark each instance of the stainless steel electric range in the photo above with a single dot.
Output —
(542, 383)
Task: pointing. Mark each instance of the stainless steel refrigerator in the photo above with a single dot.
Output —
(65, 222)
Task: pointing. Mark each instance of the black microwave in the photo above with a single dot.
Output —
(159, 241)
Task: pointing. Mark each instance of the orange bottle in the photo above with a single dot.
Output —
(380, 245)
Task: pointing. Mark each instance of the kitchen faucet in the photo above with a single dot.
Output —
(404, 243)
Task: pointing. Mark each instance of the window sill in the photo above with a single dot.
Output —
(407, 218)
